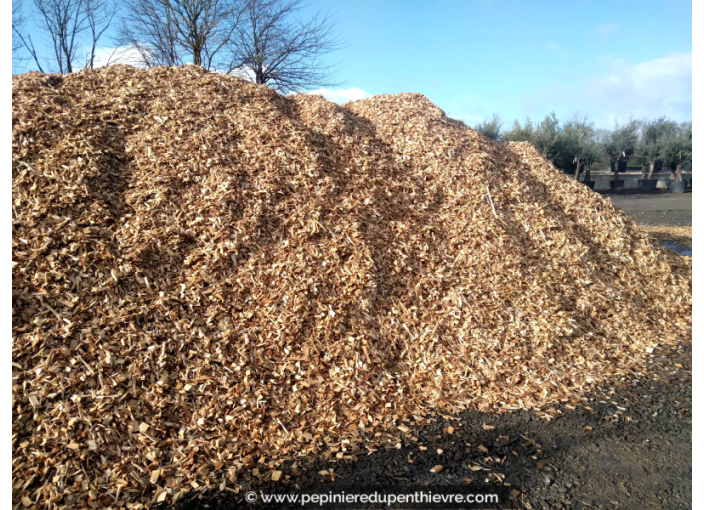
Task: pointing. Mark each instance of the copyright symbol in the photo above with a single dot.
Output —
(251, 497)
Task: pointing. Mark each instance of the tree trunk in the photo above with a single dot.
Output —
(644, 171)
(259, 75)
(672, 174)
(588, 176)
(651, 170)
(678, 172)
(618, 160)
(577, 170)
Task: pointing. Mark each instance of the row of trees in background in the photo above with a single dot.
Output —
(576, 144)
(268, 41)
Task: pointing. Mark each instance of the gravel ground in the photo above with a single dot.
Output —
(629, 446)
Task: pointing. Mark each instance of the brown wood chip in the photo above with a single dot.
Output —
(211, 279)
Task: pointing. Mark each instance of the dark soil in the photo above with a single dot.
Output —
(628, 446)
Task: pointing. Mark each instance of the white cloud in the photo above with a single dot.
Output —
(653, 88)
(341, 95)
(648, 89)
(245, 73)
(117, 55)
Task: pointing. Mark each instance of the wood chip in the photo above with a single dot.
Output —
(203, 265)
(678, 235)
(436, 469)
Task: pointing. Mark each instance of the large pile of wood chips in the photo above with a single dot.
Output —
(210, 279)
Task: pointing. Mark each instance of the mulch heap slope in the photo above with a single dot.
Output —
(678, 235)
(209, 279)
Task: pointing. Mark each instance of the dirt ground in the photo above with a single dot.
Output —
(629, 446)
(672, 209)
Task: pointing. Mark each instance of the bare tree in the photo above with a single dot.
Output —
(149, 28)
(18, 21)
(199, 22)
(99, 16)
(66, 23)
(63, 21)
(22, 41)
(170, 32)
(278, 48)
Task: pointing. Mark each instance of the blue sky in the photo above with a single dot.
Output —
(603, 59)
